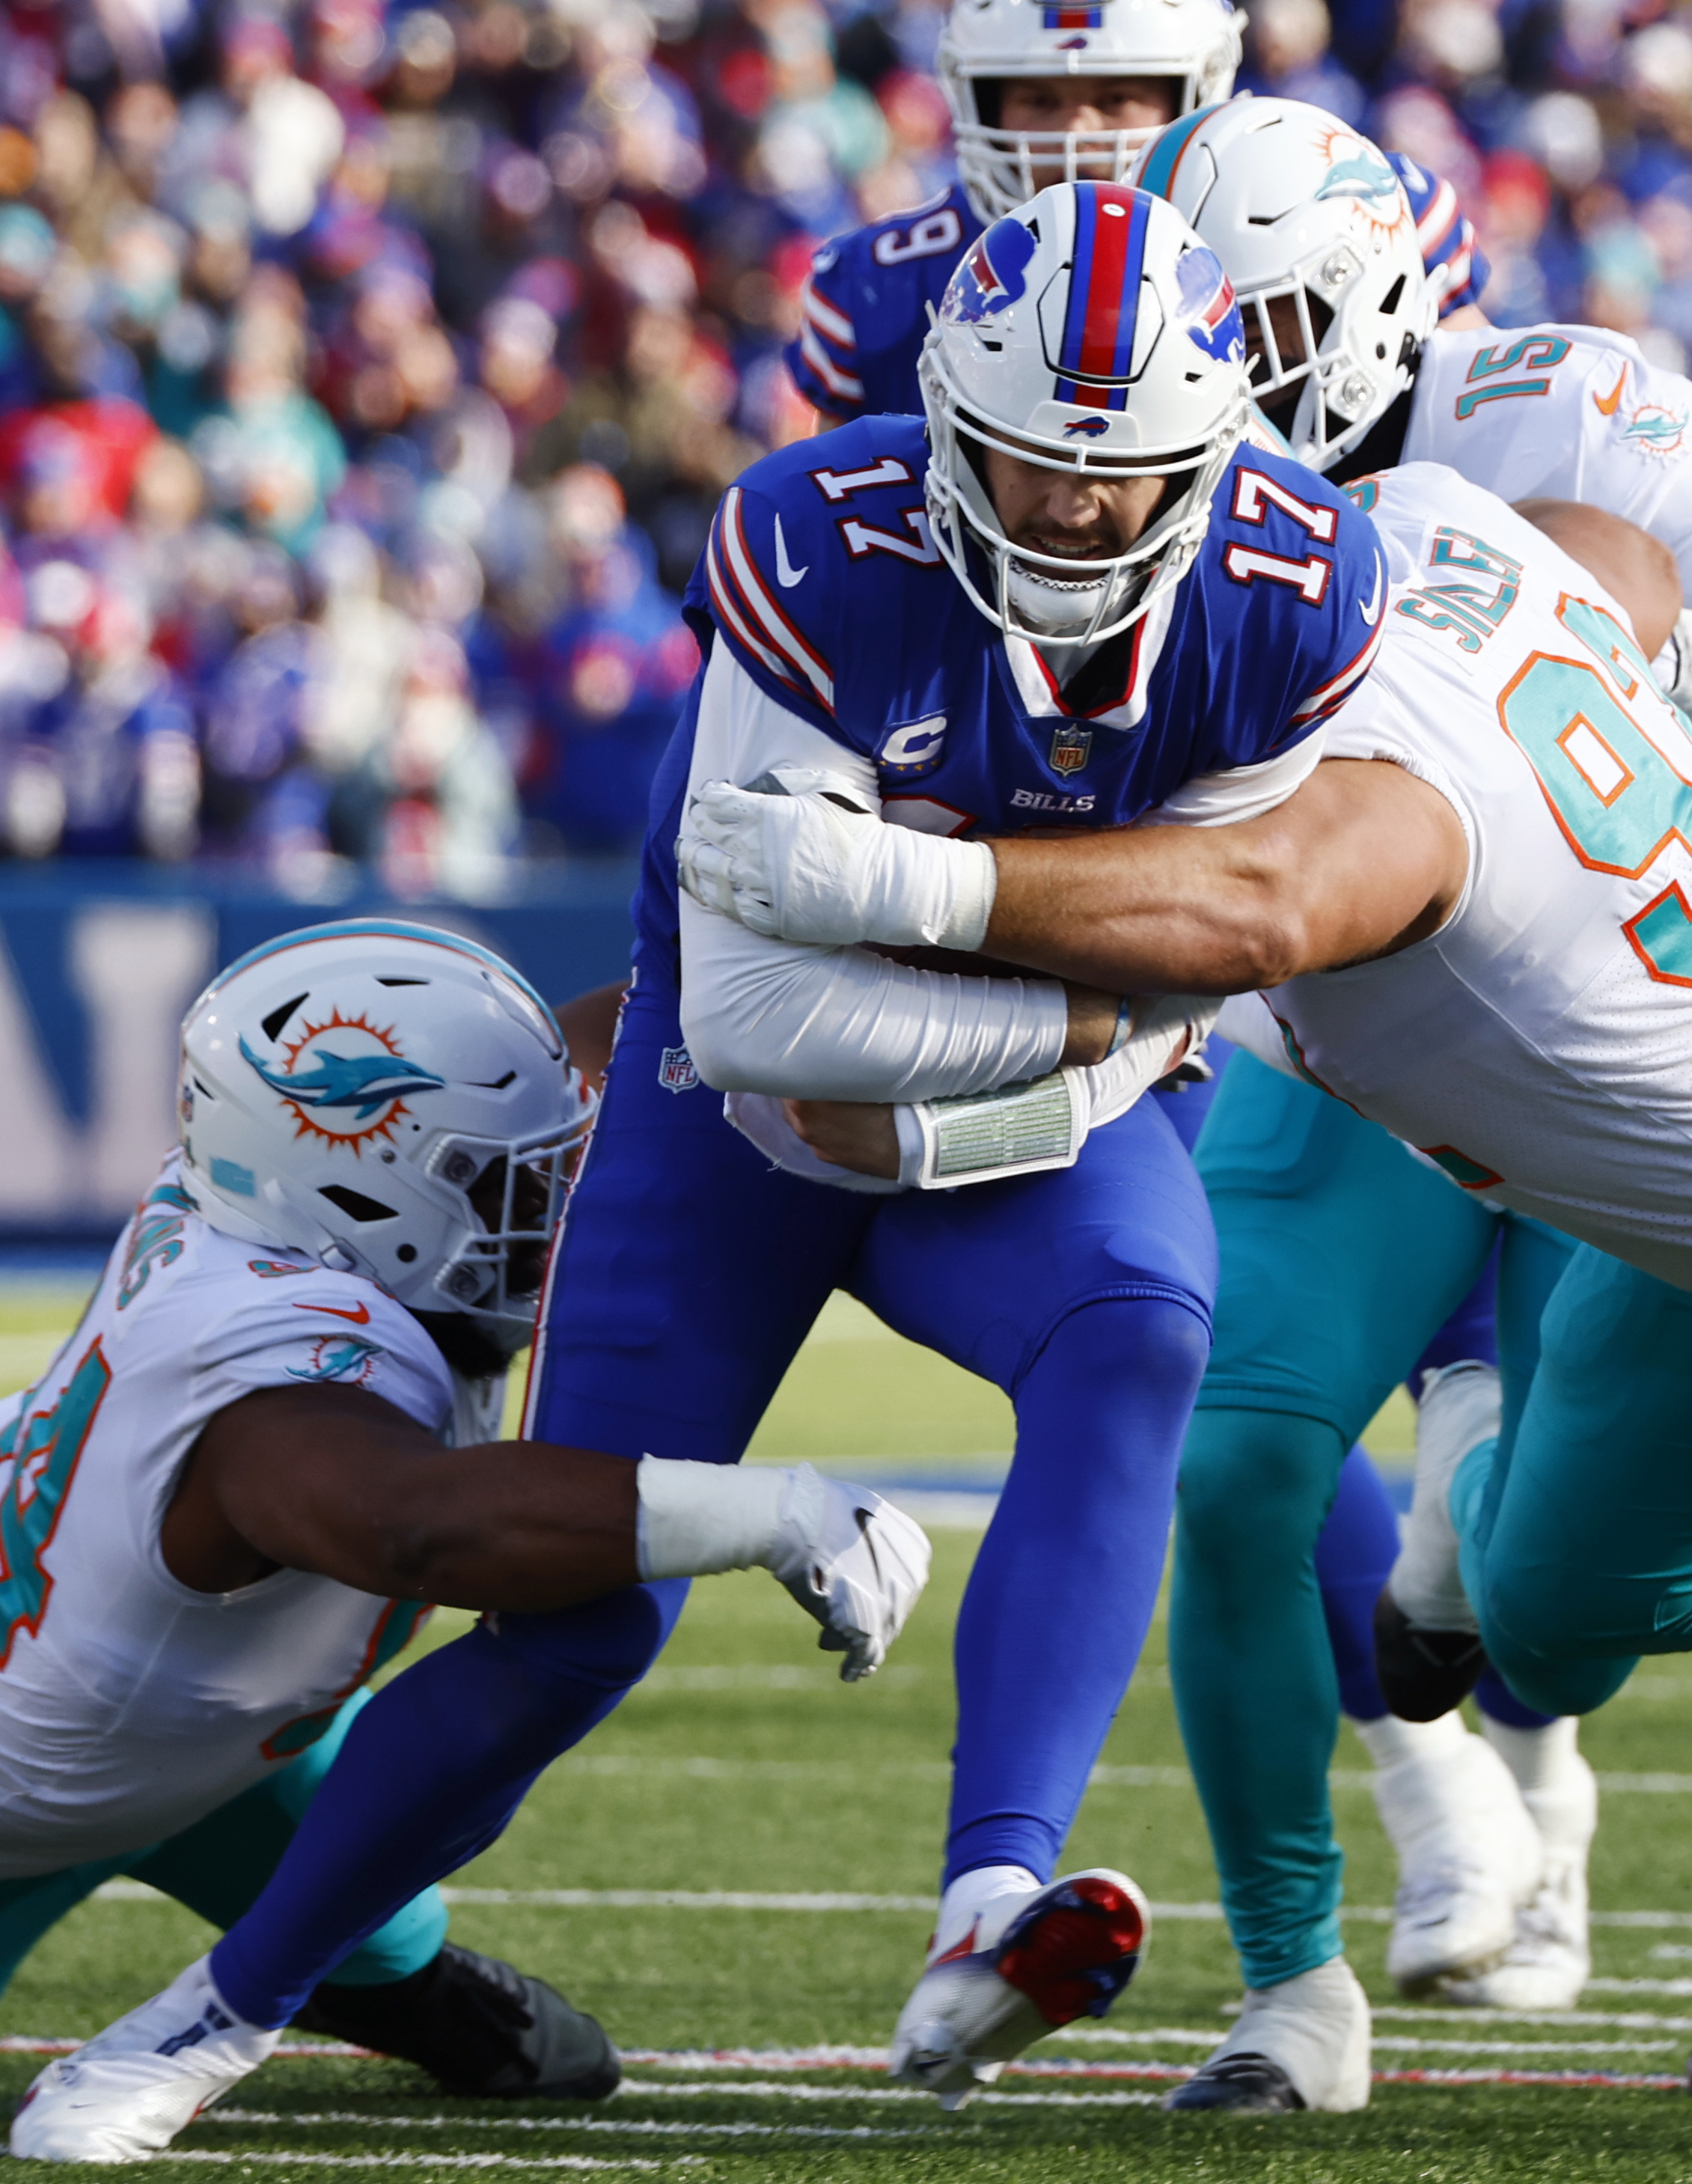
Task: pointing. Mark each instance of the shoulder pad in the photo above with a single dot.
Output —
(803, 543)
(1311, 563)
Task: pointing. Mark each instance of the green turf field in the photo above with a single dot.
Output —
(742, 1767)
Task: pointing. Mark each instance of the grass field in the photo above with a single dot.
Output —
(742, 1769)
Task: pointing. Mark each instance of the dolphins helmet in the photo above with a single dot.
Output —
(1298, 206)
(1192, 43)
(1091, 331)
(344, 1089)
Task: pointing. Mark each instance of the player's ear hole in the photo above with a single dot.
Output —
(355, 1206)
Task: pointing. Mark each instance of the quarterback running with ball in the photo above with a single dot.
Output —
(1089, 604)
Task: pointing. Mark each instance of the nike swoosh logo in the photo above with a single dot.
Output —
(1371, 613)
(786, 575)
(1607, 405)
(869, 1540)
(360, 1315)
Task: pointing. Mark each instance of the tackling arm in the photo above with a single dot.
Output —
(335, 1481)
(1361, 861)
(338, 1482)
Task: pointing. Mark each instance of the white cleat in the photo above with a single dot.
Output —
(1304, 2044)
(855, 1562)
(1033, 1959)
(124, 2094)
(1549, 1960)
(1470, 1856)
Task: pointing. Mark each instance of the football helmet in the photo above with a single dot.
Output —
(1194, 43)
(347, 1090)
(1091, 331)
(1298, 206)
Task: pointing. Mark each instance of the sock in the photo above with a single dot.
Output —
(1064, 1586)
(1354, 1557)
(429, 1774)
(1389, 1741)
(1540, 1758)
(969, 1911)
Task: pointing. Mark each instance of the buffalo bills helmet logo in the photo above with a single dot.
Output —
(991, 276)
(1089, 427)
(1208, 309)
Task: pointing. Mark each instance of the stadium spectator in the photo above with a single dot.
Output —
(376, 369)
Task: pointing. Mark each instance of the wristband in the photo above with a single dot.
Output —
(1125, 1027)
(1019, 1129)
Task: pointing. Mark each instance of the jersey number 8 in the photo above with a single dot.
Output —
(44, 1451)
(1618, 798)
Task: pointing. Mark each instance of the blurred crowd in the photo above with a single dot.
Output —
(369, 374)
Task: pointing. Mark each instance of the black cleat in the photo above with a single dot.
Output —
(1422, 1674)
(480, 2028)
(1247, 2084)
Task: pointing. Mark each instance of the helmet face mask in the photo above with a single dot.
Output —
(1192, 46)
(1317, 236)
(1090, 334)
(391, 1100)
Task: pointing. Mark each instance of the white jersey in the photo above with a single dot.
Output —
(129, 1705)
(1539, 1046)
(1571, 413)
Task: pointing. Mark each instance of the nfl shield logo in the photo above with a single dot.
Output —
(676, 1070)
(1070, 747)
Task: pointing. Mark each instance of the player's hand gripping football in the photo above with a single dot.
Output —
(801, 856)
(853, 1561)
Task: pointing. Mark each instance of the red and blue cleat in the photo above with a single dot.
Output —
(1066, 1950)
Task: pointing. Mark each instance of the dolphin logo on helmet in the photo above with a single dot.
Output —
(992, 275)
(1360, 177)
(363, 1081)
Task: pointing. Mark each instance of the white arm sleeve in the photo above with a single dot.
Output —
(835, 1023)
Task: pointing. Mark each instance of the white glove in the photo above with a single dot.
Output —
(854, 1562)
(815, 864)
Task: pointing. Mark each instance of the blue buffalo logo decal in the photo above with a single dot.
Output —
(1088, 427)
(1208, 309)
(993, 274)
(345, 1081)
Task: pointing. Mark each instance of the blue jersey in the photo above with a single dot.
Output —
(821, 578)
(865, 305)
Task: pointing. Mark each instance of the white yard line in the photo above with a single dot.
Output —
(737, 1899)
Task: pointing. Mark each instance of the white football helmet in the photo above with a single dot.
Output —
(1092, 331)
(1194, 43)
(1298, 206)
(346, 1088)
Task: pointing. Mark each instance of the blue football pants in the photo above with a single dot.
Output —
(218, 1865)
(688, 1274)
(1342, 1256)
